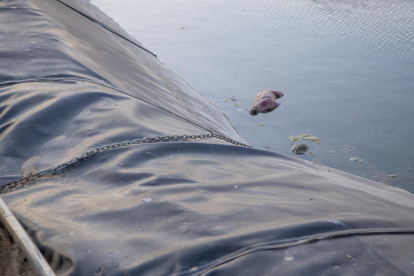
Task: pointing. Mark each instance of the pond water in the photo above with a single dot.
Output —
(346, 68)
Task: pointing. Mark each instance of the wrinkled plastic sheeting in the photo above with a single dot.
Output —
(46, 41)
(184, 208)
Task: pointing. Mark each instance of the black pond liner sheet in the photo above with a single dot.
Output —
(72, 80)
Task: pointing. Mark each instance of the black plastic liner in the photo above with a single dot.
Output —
(71, 80)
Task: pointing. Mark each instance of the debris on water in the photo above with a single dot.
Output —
(332, 151)
(360, 160)
(392, 176)
(193, 269)
(249, 131)
(265, 102)
(305, 137)
(347, 149)
(359, 139)
(300, 149)
(146, 199)
(182, 28)
(225, 100)
(293, 138)
(236, 104)
(261, 124)
(234, 99)
(390, 129)
(349, 256)
(312, 153)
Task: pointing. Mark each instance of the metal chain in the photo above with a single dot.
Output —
(86, 155)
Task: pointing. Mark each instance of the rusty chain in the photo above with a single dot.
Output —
(34, 177)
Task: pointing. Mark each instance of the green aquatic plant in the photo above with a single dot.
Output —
(305, 137)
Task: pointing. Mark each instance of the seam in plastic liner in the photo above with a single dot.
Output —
(107, 28)
(311, 239)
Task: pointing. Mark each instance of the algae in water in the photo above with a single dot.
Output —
(305, 137)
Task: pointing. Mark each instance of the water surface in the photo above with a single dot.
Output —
(346, 68)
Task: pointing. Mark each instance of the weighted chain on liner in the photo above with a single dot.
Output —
(85, 155)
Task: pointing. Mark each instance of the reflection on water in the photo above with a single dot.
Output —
(345, 67)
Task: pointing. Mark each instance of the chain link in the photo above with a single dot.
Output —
(88, 154)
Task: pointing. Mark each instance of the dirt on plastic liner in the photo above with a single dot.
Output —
(12, 260)
(72, 80)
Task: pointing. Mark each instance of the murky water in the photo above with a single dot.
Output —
(346, 68)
